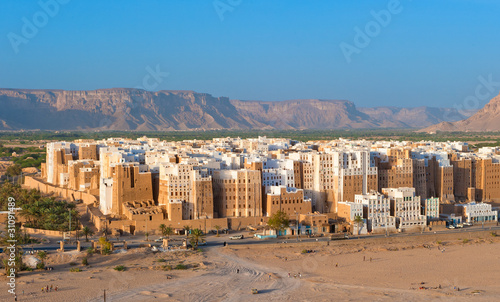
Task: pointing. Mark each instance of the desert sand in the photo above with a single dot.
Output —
(413, 268)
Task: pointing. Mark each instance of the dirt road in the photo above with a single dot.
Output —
(224, 283)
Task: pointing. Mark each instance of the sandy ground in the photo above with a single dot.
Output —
(341, 270)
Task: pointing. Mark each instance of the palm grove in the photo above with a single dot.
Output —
(38, 211)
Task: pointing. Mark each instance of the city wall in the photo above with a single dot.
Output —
(33, 183)
(33, 231)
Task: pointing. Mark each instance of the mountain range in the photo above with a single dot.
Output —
(136, 109)
(486, 119)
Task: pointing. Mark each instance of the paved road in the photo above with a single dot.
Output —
(212, 240)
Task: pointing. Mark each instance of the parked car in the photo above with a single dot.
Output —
(159, 239)
(451, 226)
(236, 237)
(201, 243)
(460, 225)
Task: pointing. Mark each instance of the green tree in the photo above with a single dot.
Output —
(162, 228)
(196, 237)
(169, 231)
(87, 232)
(217, 228)
(105, 245)
(13, 170)
(358, 220)
(279, 221)
(166, 231)
(42, 255)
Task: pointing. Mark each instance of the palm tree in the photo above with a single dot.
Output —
(42, 255)
(187, 228)
(196, 236)
(168, 232)
(87, 232)
(217, 228)
(105, 245)
(162, 228)
(359, 222)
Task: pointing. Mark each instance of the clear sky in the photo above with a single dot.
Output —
(421, 52)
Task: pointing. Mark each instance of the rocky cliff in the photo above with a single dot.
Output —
(486, 119)
(135, 109)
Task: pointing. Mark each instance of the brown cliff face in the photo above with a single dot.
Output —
(486, 119)
(135, 109)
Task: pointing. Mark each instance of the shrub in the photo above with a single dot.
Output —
(181, 266)
(90, 251)
(75, 270)
(72, 263)
(161, 260)
(465, 241)
(85, 261)
(438, 242)
(494, 234)
(120, 268)
(304, 252)
(40, 265)
(166, 267)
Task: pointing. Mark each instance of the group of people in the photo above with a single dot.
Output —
(47, 289)
(295, 275)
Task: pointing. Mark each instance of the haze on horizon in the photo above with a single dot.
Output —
(423, 53)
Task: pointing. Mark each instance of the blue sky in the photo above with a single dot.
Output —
(429, 52)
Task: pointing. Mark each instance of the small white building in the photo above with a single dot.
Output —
(479, 212)
(377, 209)
(430, 208)
(406, 207)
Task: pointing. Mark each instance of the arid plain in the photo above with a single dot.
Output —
(410, 268)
